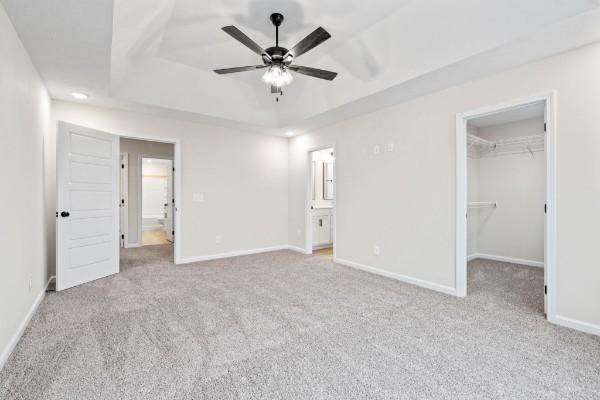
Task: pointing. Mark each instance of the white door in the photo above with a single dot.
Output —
(87, 226)
(169, 226)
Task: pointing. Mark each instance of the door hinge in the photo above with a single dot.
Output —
(122, 201)
(173, 169)
(173, 201)
(57, 214)
(545, 208)
(123, 237)
(544, 127)
(123, 166)
(173, 233)
(545, 289)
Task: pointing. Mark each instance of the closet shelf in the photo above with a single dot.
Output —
(483, 204)
(479, 147)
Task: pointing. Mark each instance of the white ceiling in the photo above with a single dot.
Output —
(158, 55)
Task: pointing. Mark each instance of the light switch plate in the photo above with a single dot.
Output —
(197, 198)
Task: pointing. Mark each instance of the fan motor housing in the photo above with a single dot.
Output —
(276, 54)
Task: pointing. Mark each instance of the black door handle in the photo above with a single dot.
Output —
(64, 214)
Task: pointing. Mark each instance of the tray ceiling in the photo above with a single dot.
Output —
(159, 54)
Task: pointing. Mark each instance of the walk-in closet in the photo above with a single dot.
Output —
(506, 171)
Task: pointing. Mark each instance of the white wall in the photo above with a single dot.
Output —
(243, 177)
(517, 183)
(24, 122)
(404, 201)
(135, 148)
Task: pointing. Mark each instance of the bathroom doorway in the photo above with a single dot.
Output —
(156, 198)
(320, 213)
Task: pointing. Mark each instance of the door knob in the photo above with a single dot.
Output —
(64, 214)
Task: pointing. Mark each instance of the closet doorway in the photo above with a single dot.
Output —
(320, 204)
(505, 200)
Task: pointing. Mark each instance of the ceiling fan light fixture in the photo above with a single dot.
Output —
(278, 60)
(277, 75)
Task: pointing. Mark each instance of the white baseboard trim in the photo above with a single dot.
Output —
(210, 257)
(521, 261)
(132, 245)
(21, 329)
(577, 325)
(297, 249)
(403, 278)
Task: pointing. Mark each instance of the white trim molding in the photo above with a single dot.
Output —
(21, 329)
(238, 253)
(512, 260)
(399, 277)
(576, 324)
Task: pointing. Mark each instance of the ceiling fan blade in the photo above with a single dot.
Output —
(245, 40)
(314, 72)
(317, 37)
(238, 69)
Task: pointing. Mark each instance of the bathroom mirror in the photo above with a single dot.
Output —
(328, 181)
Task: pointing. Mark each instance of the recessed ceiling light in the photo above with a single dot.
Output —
(289, 134)
(79, 95)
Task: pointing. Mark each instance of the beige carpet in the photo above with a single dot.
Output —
(289, 326)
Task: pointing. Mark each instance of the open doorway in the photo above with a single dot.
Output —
(321, 202)
(156, 192)
(148, 201)
(505, 202)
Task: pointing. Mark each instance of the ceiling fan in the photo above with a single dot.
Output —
(279, 60)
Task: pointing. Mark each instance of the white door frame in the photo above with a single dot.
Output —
(461, 192)
(308, 248)
(124, 205)
(140, 183)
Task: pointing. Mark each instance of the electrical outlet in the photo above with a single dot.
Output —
(218, 239)
(376, 149)
(376, 250)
